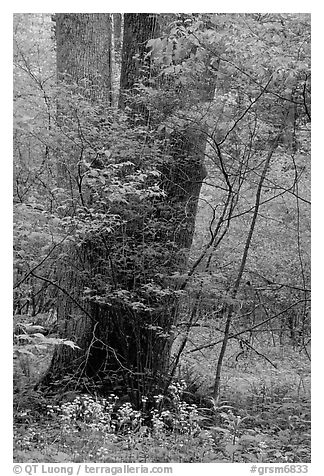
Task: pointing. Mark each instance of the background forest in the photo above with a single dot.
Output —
(162, 237)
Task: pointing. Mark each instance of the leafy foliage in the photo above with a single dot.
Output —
(106, 430)
(104, 209)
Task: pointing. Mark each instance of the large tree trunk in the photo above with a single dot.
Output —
(182, 173)
(83, 42)
(183, 169)
(120, 349)
(125, 343)
(138, 29)
(83, 61)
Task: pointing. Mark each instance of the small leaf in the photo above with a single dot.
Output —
(230, 448)
(71, 344)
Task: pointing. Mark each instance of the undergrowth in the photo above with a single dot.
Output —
(86, 428)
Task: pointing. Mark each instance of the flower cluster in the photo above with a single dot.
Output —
(108, 416)
(176, 390)
(86, 412)
(127, 418)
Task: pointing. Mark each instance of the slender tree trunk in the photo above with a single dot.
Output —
(231, 308)
(116, 47)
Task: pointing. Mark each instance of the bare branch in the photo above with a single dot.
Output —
(212, 344)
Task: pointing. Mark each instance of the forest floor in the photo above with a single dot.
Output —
(265, 418)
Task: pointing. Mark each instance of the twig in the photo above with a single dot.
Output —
(40, 263)
(66, 293)
(211, 344)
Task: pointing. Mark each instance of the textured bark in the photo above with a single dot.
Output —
(118, 349)
(118, 30)
(182, 172)
(138, 29)
(124, 348)
(83, 59)
(83, 51)
(183, 177)
(116, 45)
